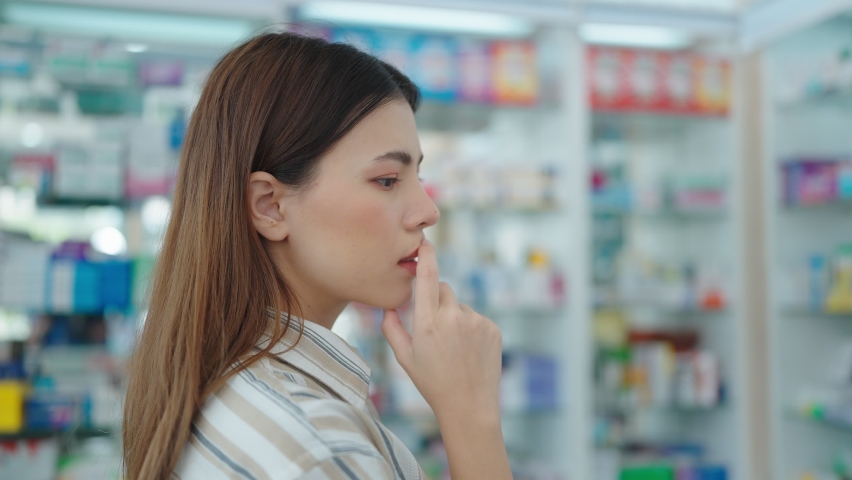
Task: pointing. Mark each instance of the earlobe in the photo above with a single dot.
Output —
(266, 197)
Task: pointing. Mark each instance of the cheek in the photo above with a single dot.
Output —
(361, 230)
(359, 240)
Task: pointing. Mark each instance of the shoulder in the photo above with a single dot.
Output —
(268, 418)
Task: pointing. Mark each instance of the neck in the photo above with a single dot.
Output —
(324, 315)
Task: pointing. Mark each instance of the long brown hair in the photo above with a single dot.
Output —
(275, 104)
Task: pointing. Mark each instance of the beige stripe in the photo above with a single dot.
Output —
(213, 459)
(324, 371)
(330, 469)
(272, 379)
(358, 417)
(230, 449)
(314, 352)
(356, 466)
(335, 422)
(327, 422)
(267, 427)
(371, 409)
(314, 383)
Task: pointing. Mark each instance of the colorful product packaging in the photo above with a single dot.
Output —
(809, 182)
(515, 72)
(11, 406)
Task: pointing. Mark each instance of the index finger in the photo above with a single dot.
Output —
(426, 296)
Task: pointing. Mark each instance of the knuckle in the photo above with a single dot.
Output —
(492, 327)
(428, 329)
(478, 325)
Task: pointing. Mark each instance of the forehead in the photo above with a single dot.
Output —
(388, 128)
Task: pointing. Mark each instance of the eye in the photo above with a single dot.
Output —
(387, 182)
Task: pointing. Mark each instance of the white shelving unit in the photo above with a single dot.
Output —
(806, 345)
(650, 149)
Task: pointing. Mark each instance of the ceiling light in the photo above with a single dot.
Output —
(32, 135)
(155, 214)
(136, 47)
(416, 18)
(121, 24)
(109, 240)
(640, 36)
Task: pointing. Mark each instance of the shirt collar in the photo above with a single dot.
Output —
(327, 358)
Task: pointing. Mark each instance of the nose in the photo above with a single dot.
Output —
(423, 211)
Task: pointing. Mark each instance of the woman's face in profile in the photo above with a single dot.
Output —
(363, 214)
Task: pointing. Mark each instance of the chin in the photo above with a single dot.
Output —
(389, 298)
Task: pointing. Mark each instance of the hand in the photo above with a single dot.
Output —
(453, 355)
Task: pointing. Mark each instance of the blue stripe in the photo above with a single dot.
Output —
(284, 402)
(324, 345)
(218, 453)
(390, 449)
(334, 353)
(349, 473)
(306, 395)
(288, 375)
(341, 448)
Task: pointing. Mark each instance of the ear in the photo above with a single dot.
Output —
(267, 198)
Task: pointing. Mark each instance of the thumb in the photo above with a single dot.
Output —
(398, 337)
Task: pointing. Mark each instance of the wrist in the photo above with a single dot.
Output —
(469, 415)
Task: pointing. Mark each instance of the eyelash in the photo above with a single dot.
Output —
(391, 180)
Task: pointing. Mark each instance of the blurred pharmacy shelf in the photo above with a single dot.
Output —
(88, 144)
(809, 192)
(666, 316)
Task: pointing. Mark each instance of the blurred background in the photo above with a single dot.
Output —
(652, 198)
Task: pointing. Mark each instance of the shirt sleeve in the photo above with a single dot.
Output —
(353, 466)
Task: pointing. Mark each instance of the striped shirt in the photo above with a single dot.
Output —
(302, 414)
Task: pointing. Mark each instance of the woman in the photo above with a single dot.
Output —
(298, 193)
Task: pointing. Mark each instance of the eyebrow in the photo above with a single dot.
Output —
(396, 156)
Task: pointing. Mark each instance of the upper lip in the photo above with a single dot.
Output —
(411, 256)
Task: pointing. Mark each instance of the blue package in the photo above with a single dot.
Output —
(12, 370)
(434, 68)
(541, 382)
(711, 472)
(844, 181)
(695, 451)
(59, 332)
(817, 282)
(87, 288)
(115, 284)
(177, 131)
(50, 411)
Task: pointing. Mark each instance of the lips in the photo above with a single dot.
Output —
(409, 263)
(411, 257)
